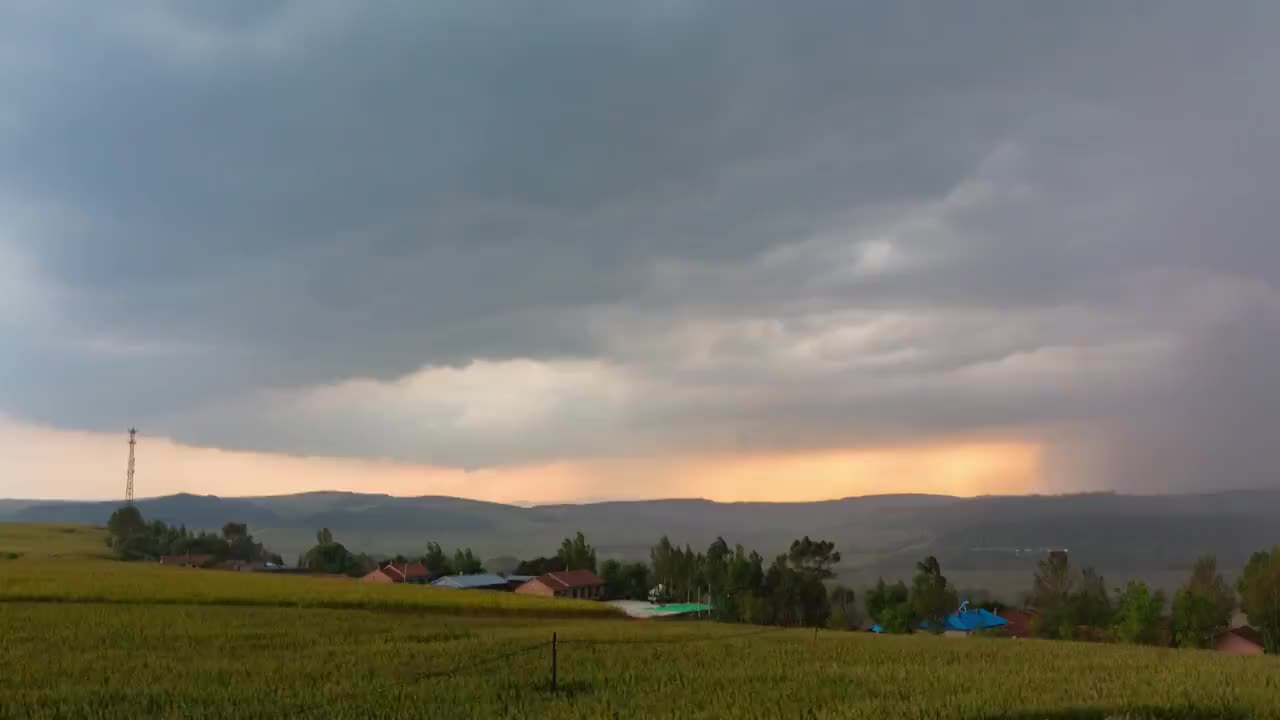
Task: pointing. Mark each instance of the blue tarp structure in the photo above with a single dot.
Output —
(966, 620)
(963, 620)
(971, 620)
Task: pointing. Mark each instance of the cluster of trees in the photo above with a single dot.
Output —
(437, 562)
(1259, 587)
(791, 590)
(131, 537)
(1077, 606)
(930, 599)
(332, 557)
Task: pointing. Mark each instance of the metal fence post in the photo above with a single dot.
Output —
(553, 662)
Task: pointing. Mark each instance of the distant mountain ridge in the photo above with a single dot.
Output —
(877, 534)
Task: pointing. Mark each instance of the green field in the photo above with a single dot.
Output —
(106, 581)
(170, 643)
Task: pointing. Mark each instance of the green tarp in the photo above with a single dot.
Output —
(678, 608)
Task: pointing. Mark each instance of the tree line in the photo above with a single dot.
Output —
(131, 537)
(795, 588)
(1071, 605)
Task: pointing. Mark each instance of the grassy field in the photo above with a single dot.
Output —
(104, 639)
(51, 541)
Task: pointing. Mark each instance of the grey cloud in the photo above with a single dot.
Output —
(230, 200)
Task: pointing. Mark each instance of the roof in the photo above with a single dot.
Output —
(479, 580)
(1246, 633)
(519, 578)
(570, 579)
(406, 571)
(966, 620)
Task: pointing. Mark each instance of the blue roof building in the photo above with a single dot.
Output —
(480, 581)
(963, 620)
(966, 620)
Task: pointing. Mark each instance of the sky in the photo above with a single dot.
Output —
(589, 250)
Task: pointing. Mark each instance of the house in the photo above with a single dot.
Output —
(478, 581)
(414, 573)
(1242, 640)
(582, 584)
(187, 560)
(378, 575)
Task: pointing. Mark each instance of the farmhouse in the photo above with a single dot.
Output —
(1242, 640)
(582, 584)
(479, 581)
(413, 573)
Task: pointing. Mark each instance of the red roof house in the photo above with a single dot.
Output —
(414, 573)
(582, 584)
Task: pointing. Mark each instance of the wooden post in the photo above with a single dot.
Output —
(553, 662)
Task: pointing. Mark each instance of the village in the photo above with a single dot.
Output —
(1237, 638)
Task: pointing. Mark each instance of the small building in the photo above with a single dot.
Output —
(187, 560)
(414, 573)
(1242, 640)
(580, 584)
(478, 581)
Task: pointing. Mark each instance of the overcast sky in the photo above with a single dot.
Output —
(474, 239)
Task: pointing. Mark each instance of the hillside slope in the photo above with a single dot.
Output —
(986, 536)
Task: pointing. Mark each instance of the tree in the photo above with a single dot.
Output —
(127, 533)
(1138, 612)
(889, 607)
(333, 557)
(465, 563)
(1202, 605)
(539, 566)
(1091, 604)
(436, 562)
(814, 558)
(932, 597)
(576, 554)
(1259, 587)
(614, 584)
(844, 610)
(1051, 597)
(635, 581)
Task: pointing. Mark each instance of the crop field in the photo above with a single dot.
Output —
(19, 540)
(109, 661)
(104, 639)
(100, 581)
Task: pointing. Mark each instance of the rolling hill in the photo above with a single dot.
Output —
(985, 541)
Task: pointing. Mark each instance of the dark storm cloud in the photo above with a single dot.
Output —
(860, 223)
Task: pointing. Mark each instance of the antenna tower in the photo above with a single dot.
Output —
(128, 485)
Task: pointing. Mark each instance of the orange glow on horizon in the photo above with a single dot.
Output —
(64, 464)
